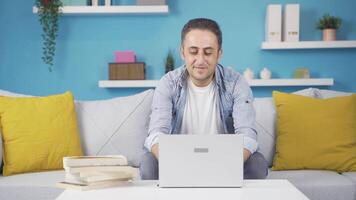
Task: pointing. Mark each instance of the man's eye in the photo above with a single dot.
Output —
(208, 53)
(193, 52)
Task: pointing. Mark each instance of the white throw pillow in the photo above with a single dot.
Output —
(266, 122)
(325, 94)
(115, 126)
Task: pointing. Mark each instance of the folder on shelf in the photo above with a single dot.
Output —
(291, 23)
(274, 23)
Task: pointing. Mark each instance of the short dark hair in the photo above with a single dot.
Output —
(202, 24)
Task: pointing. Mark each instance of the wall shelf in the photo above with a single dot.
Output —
(86, 10)
(253, 83)
(309, 45)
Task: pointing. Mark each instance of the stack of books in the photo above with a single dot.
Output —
(94, 172)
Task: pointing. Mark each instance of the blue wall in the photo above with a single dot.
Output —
(87, 43)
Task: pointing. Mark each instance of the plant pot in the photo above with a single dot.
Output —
(329, 34)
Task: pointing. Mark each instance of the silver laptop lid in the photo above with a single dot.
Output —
(201, 160)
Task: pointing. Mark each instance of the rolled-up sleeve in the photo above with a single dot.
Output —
(244, 114)
(152, 139)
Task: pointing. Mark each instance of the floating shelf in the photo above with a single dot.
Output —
(86, 10)
(309, 45)
(292, 82)
(252, 83)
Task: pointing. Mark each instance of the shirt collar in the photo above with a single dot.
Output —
(219, 76)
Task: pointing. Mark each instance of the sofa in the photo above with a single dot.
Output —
(119, 126)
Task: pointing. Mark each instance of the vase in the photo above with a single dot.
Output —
(329, 34)
(248, 73)
(265, 74)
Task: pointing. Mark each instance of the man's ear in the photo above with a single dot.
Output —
(181, 50)
(220, 53)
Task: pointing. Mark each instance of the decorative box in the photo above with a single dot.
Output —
(125, 57)
(127, 71)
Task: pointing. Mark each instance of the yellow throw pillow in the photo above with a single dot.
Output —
(38, 132)
(315, 133)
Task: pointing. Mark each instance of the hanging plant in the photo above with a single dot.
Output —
(49, 12)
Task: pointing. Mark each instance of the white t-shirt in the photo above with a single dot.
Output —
(201, 111)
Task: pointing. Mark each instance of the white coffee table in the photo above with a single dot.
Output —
(148, 190)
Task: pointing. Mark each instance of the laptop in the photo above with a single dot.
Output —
(201, 160)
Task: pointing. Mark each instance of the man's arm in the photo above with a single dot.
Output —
(161, 116)
(244, 116)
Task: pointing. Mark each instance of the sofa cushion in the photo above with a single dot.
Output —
(38, 132)
(317, 185)
(308, 128)
(115, 126)
(266, 122)
(351, 175)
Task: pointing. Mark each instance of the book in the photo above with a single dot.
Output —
(81, 161)
(96, 173)
(273, 24)
(93, 172)
(77, 178)
(291, 23)
(127, 169)
(91, 186)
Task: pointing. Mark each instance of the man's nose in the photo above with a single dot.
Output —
(200, 59)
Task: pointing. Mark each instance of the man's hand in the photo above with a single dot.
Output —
(247, 154)
(154, 150)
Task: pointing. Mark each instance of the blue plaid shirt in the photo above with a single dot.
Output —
(235, 101)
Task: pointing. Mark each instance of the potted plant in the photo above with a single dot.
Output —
(329, 24)
(169, 62)
(49, 12)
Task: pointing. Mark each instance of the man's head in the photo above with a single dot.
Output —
(201, 49)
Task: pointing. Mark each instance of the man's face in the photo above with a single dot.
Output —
(200, 52)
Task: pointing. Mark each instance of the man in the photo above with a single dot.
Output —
(203, 97)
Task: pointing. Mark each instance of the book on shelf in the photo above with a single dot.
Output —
(81, 161)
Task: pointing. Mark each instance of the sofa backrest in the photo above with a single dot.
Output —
(115, 126)
(119, 125)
